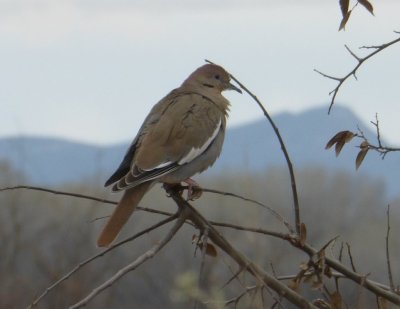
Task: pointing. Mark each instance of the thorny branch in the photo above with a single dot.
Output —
(353, 72)
(374, 287)
(268, 280)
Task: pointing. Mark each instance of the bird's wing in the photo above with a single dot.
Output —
(178, 130)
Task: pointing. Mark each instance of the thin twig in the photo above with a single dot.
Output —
(350, 257)
(98, 255)
(360, 279)
(389, 268)
(296, 203)
(353, 72)
(380, 148)
(82, 196)
(274, 212)
(146, 209)
(136, 263)
(203, 238)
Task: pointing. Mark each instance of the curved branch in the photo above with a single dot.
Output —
(296, 204)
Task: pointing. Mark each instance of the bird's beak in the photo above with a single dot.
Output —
(233, 87)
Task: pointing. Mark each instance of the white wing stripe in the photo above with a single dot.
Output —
(195, 152)
(158, 166)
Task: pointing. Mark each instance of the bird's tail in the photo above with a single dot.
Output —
(122, 212)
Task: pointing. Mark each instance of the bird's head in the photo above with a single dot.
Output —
(213, 77)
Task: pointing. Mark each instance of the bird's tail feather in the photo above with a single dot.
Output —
(121, 214)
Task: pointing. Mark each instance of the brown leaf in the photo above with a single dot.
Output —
(211, 250)
(344, 6)
(344, 20)
(294, 284)
(338, 147)
(317, 285)
(304, 266)
(344, 136)
(322, 304)
(303, 234)
(361, 155)
(367, 5)
(328, 272)
(336, 300)
(364, 145)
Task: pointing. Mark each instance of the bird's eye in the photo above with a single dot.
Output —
(217, 76)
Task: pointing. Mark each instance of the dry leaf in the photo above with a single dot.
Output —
(211, 250)
(303, 234)
(364, 145)
(367, 5)
(336, 300)
(328, 271)
(317, 285)
(361, 155)
(338, 147)
(294, 284)
(344, 20)
(340, 139)
(345, 136)
(322, 304)
(344, 6)
(304, 266)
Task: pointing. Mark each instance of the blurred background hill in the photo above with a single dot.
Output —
(248, 148)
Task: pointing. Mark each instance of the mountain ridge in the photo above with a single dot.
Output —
(248, 147)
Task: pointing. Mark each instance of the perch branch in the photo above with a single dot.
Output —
(269, 281)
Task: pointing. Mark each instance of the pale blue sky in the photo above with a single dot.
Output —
(91, 70)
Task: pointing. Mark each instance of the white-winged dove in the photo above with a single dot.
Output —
(181, 136)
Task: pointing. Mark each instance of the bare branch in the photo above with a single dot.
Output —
(351, 257)
(269, 281)
(132, 266)
(96, 256)
(389, 267)
(82, 196)
(380, 148)
(352, 53)
(274, 212)
(360, 279)
(353, 72)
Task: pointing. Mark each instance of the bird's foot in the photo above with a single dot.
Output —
(176, 188)
(194, 190)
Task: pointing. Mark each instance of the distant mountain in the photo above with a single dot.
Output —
(250, 147)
